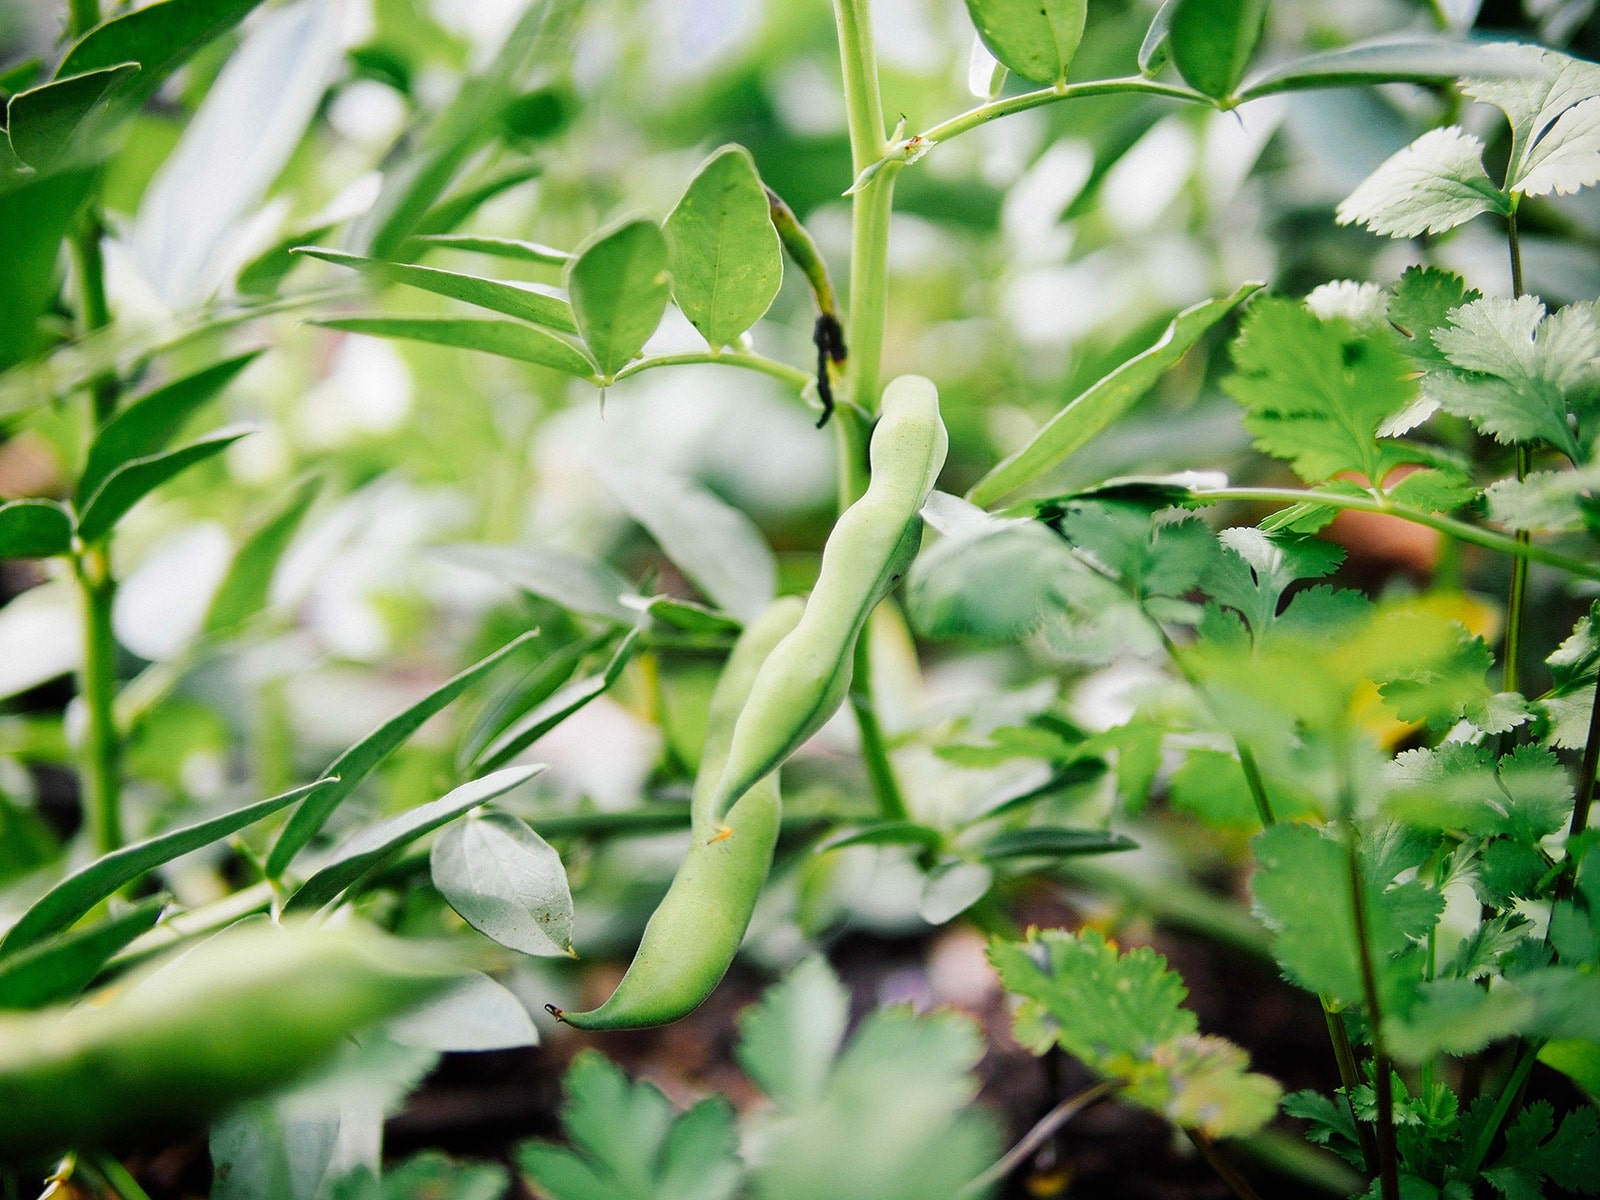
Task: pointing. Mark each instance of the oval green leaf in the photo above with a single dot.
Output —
(507, 882)
(727, 262)
(34, 529)
(618, 285)
(526, 343)
(57, 122)
(514, 300)
(1035, 38)
(1212, 41)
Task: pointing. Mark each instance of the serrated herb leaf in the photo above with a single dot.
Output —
(356, 763)
(1421, 302)
(1544, 500)
(136, 479)
(950, 592)
(727, 261)
(34, 529)
(1212, 41)
(618, 284)
(525, 302)
(505, 881)
(83, 889)
(1434, 184)
(1106, 401)
(507, 339)
(1553, 124)
(1034, 38)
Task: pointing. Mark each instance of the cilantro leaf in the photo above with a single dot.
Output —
(627, 1144)
(1317, 391)
(1555, 137)
(1421, 303)
(1545, 500)
(1434, 184)
(1570, 1159)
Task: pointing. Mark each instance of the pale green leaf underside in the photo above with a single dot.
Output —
(134, 480)
(727, 261)
(507, 339)
(1434, 184)
(1035, 38)
(507, 882)
(1567, 158)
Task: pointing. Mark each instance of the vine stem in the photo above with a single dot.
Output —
(1460, 530)
(792, 377)
(984, 113)
(1229, 1173)
(1036, 1137)
(102, 745)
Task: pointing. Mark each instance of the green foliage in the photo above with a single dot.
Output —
(619, 290)
(1212, 41)
(1036, 40)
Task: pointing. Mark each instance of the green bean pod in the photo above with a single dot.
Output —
(807, 676)
(695, 931)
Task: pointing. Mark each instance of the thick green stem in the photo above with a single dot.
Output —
(1509, 1093)
(118, 1178)
(1516, 601)
(1460, 530)
(102, 744)
(984, 113)
(874, 750)
(95, 313)
(789, 376)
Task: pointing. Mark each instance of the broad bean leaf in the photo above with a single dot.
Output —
(525, 302)
(1517, 371)
(1122, 1015)
(59, 967)
(526, 343)
(369, 848)
(726, 259)
(583, 585)
(1212, 41)
(356, 763)
(35, 212)
(505, 881)
(79, 892)
(1317, 391)
(1432, 59)
(245, 589)
(628, 1144)
(890, 1115)
(709, 540)
(1106, 401)
(477, 1014)
(951, 888)
(159, 37)
(137, 478)
(1155, 51)
(1434, 184)
(532, 252)
(1034, 38)
(148, 424)
(57, 123)
(34, 529)
(618, 284)
(1054, 841)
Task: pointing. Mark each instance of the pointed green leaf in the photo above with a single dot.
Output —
(1434, 59)
(149, 424)
(34, 529)
(619, 290)
(245, 587)
(583, 585)
(83, 889)
(505, 881)
(58, 968)
(1212, 41)
(1434, 184)
(134, 480)
(1035, 38)
(709, 540)
(526, 343)
(525, 302)
(1156, 51)
(500, 247)
(1105, 402)
(57, 122)
(367, 849)
(356, 763)
(727, 262)
(1054, 841)
(159, 37)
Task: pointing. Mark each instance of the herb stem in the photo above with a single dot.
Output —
(1345, 1056)
(874, 749)
(1508, 1094)
(102, 744)
(1485, 538)
(1516, 601)
(1042, 1131)
(1382, 1072)
(994, 109)
(118, 1178)
(792, 377)
(1584, 797)
(1228, 1172)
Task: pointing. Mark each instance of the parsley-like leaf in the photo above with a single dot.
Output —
(1434, 184)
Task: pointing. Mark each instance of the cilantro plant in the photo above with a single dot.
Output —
(561, 347)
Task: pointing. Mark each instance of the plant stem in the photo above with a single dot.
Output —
(102, 744)
(1230, 1175)
(792, 377)
(118, 1178)
(1516, 601)
(1508, 1094)
(1041, 1133)
(1486, 538)
(1345, 1056)
(1584, 799)
(984, 113)
(874, 750)
(1382, 1081)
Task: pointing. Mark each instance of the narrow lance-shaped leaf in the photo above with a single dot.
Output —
(1212, 41)
(133, 481)
(59, 968)
(507, 882)
(57, 121)
(159, 37)
(83, 889)
(149, 424)
(34, 529)
(526, 343)
(500, 247)
(1035, 38)
(245, 587)
(618, 285)
(370, 847)
(727, 261)
(524, 303)
(356, 763)
(1105, 402)
(1392, 60)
